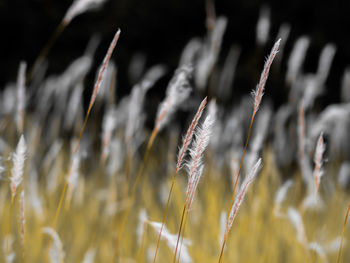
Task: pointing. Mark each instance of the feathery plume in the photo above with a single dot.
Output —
(141, 227)
(318, 159)
(73, 106)
(171, 241)
(107, 88)
(296, 59)
(344, 175)
(136, 116)
(283, 33)
(194, 165)
(195, 169)
(223, 217)
(189, 134)
(80, 6)
(263, 26)
(325, 62)
(228, 72)
(213, 109)
(89, 256)
(301, 131)
(18, 163)
(185, 143)
(260, 133)
(334, 245)
(190, 52)
(345, 86)
(319, 250)
(1, 167)
(136, 67)
(92, 100)
(56, 250)
(312, 201)
(8, 245)
(281, 196)
(21, 96)
(244, 187)
(297, 221)
(108, 125)
(22, 218)
(304, 160)
(259, 92)
(33, 196)
(116, 156)
(333, 121)
(73, 177)
(103, 68)
(177, 92)
(209, 53)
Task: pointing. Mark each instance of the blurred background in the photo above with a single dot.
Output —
(158, 31)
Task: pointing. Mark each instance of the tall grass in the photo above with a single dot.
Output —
(126, 195)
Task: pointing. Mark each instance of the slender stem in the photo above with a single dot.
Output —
(180, 230)
(92, 101)
(165, 214)
(142, 245)
(313, 254)
(342, 235)
(133, 192)
(10, 225)
(183, 234)
(46, 50)
(235, 186)
(69, 172)
(60, 203)
(182, 152)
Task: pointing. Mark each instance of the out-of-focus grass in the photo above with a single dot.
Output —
(257, 234)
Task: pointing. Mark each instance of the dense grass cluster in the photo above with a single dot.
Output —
(99, 186)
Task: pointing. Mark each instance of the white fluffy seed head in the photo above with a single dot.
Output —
(325, 61)
(21, 97)
(177, 92)
(345, 86)
(18, 163)
(297, 221)
(318, 159)
(89, 256)
(56, 251)
(194, 165)
(282, 192)
(263, 26)
(242, 191)
(296, 58)
(189, 134)
(81, 6)
(141, 227)
(259, 92)
(171, 241)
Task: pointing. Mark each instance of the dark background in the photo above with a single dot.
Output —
(161, 28)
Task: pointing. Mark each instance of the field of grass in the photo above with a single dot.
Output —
(98, 185)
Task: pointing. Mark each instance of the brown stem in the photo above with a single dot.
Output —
(133, 193)
(180, 230)
(46, 50)
(343, 233)
(235, 186)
